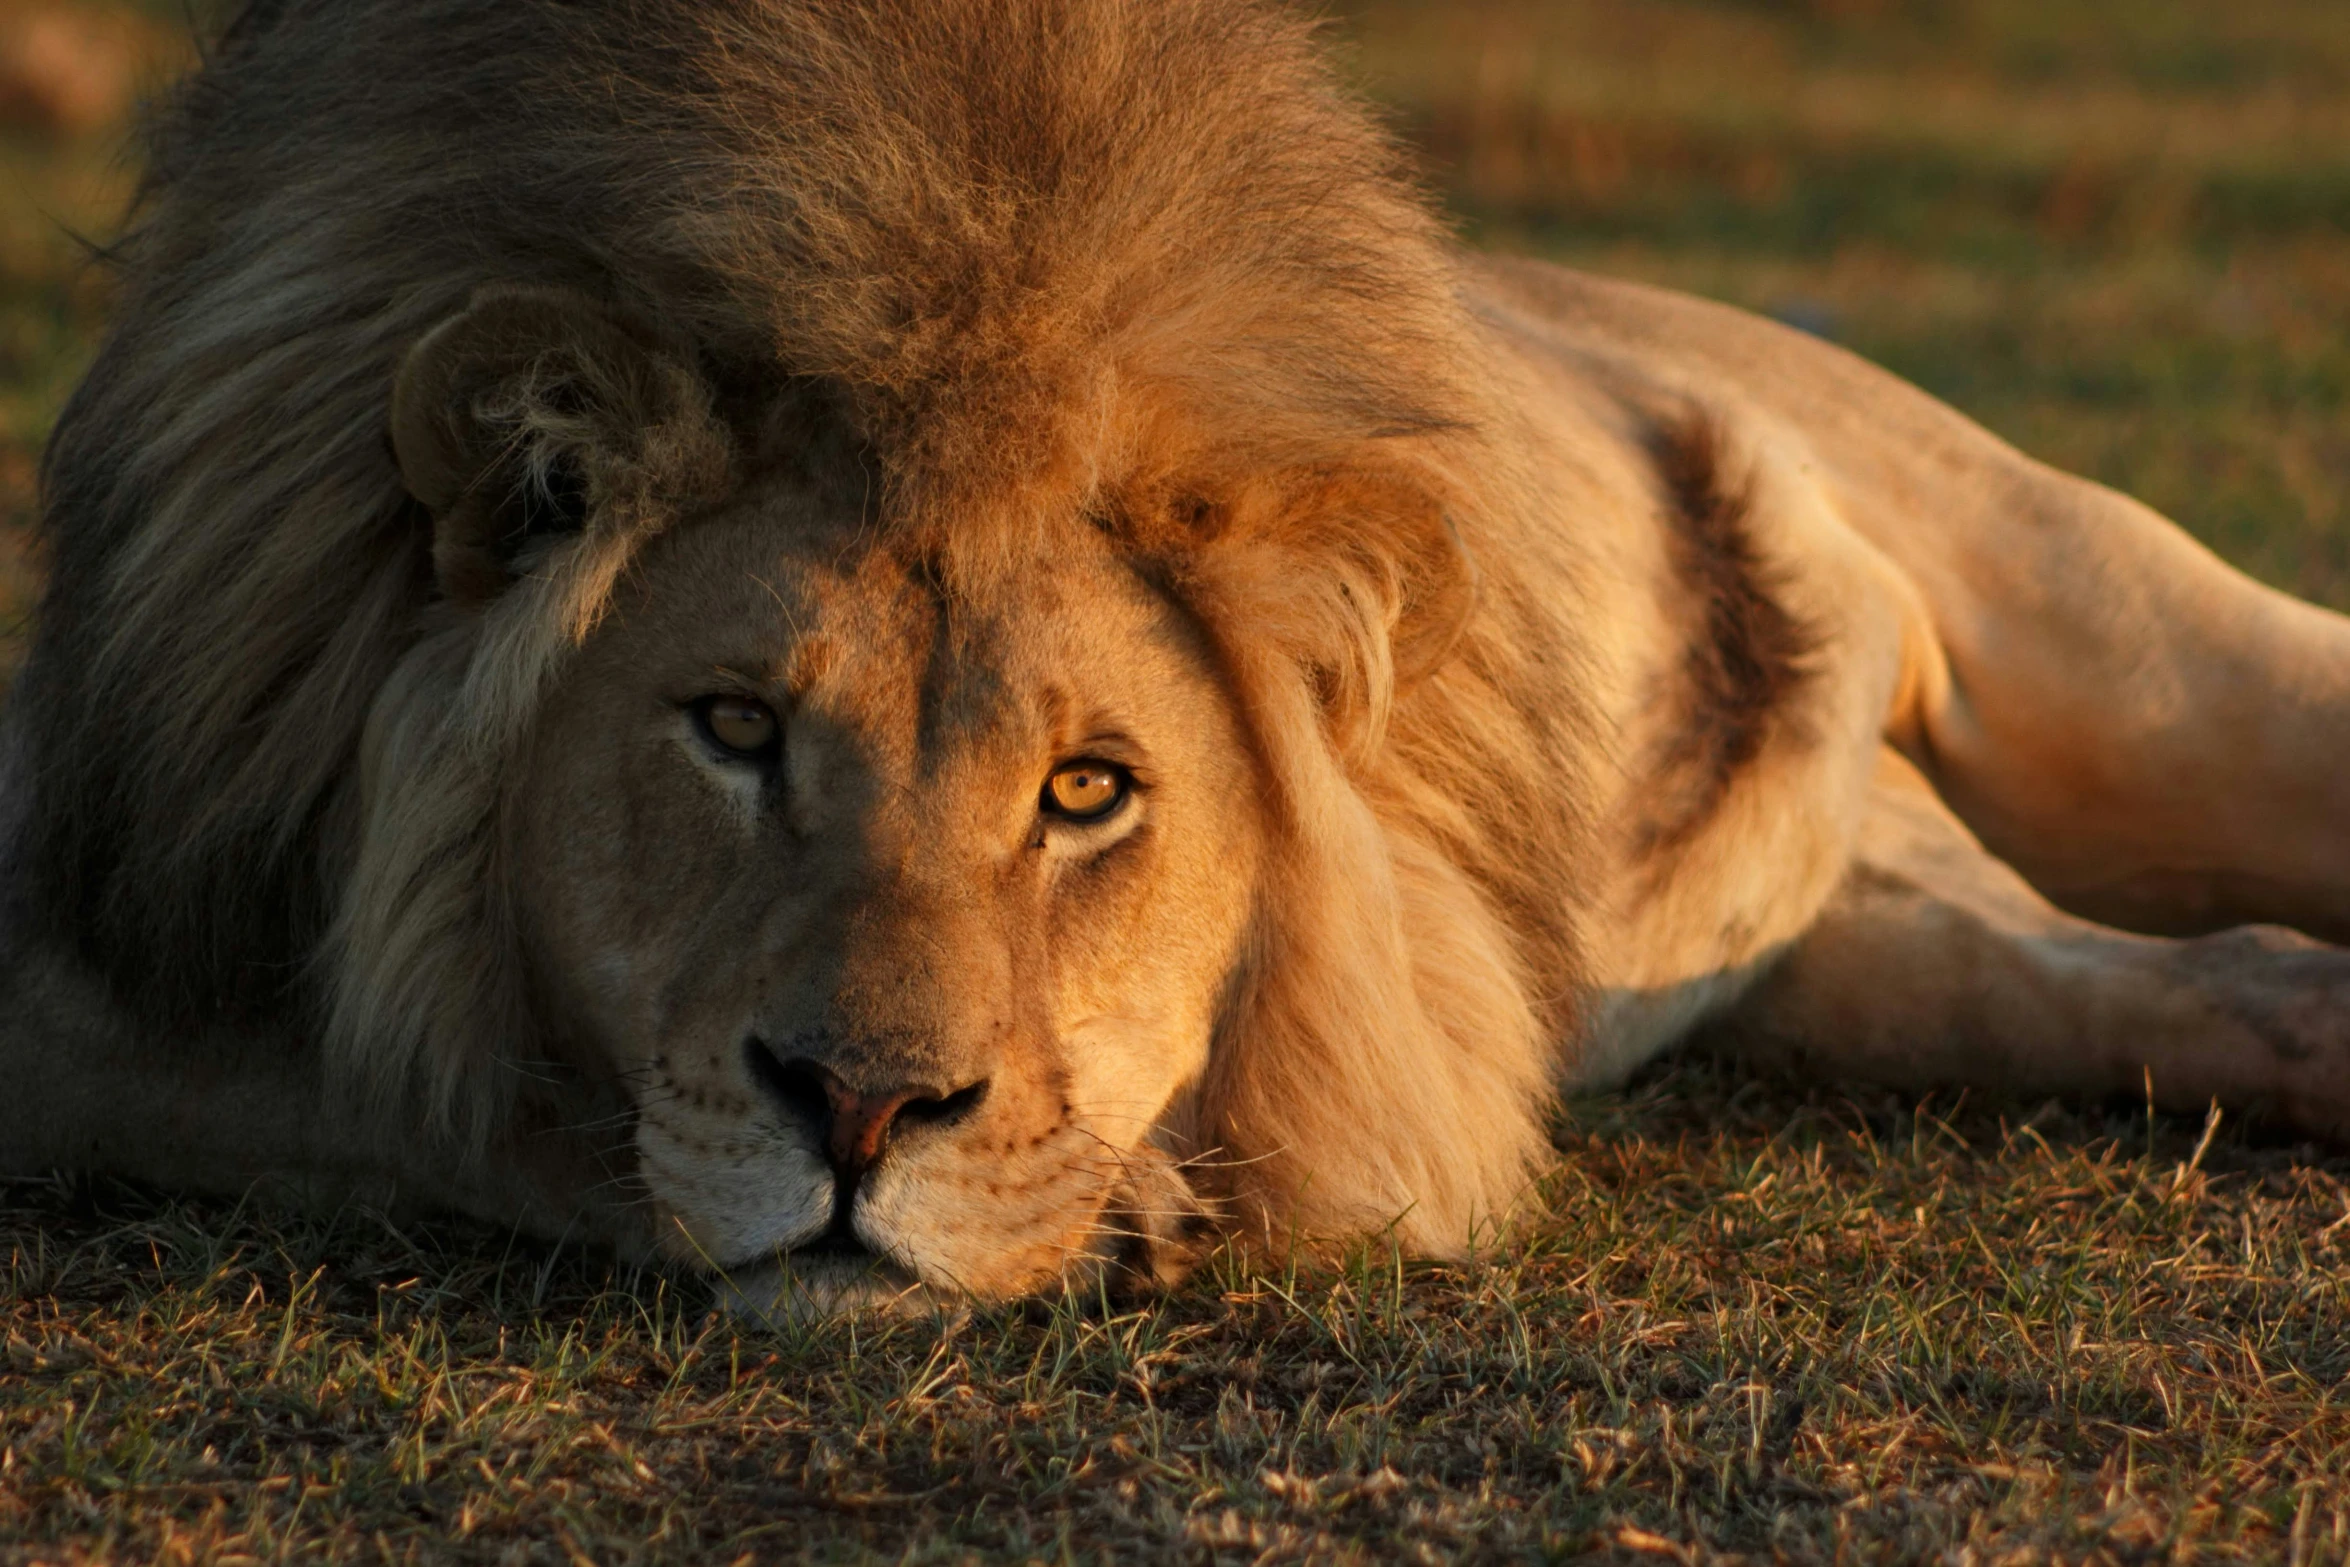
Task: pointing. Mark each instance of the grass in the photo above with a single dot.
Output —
(1759, 1318)
(2120, 236)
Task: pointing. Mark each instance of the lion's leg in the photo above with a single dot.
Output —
(1936, 964)
(89, 1092)
(2152, 738)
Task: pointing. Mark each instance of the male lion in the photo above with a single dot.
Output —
(935, 645)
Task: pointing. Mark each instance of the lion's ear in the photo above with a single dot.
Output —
(1360, 579)
(1436, 584)
(534, 415)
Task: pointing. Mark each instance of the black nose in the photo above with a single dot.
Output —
(855, 1121)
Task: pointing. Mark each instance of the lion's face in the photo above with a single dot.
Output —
(906, 912)
(903, 854)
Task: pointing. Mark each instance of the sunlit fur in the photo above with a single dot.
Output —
(1515, 671)
(1003, 267)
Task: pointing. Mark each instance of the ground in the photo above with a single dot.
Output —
(1759, 1317)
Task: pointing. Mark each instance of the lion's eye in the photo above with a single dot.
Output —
(1086, 791)
(738, 724)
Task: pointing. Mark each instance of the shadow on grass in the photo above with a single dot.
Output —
(1753, 1316)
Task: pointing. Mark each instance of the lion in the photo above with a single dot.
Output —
(912, 651)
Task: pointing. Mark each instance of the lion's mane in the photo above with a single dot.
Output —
(1140, 257)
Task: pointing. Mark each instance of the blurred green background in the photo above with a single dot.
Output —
(2115, 231)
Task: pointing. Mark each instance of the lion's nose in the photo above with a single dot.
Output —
(856, 1123)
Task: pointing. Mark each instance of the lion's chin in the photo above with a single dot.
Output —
(802, 1288)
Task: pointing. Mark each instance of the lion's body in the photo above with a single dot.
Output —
(1508, 672)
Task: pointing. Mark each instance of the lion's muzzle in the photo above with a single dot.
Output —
(853, 1120)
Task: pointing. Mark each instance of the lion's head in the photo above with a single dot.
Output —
(906, 890)
(873, 604)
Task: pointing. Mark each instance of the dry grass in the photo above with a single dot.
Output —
(1759, 1319)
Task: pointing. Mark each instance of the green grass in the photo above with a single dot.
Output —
(2118, 235)
(1757, 1318)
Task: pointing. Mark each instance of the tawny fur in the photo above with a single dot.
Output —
(1537, 668)
(1048, 257)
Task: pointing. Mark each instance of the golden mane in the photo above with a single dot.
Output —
(1137, 258)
